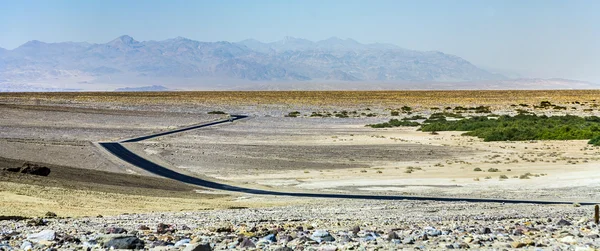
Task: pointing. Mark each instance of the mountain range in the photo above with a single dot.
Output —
(125, 62)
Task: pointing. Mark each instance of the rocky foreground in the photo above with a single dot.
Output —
(320, 225)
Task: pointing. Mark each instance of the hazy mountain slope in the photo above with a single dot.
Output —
(291, 59)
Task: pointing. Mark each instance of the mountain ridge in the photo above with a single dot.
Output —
(289, 59)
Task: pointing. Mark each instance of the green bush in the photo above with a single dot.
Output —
(595, 141)
(394, 113)
(522, 127)
(395, 123)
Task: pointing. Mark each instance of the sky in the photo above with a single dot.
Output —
(529, 38)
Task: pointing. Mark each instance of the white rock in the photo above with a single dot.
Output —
(46, 235)
(568, 240)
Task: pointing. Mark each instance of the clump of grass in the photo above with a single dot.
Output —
(493, 170)
(488, 177)
(503, 177)
(394, 113)
(477, 169)
(217, 112)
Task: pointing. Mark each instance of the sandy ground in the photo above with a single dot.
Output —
(327, 155)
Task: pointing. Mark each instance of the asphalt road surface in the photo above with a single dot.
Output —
(124, 154)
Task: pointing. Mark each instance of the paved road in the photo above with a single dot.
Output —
(124, 154)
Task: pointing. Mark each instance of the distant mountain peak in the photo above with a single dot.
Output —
(288, 39)
(123, 40)
(33, 43)
(337, 39)
(180, 38)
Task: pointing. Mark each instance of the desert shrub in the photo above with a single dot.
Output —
(503, 177)
(559, 108)
(394, 123)
(545, 104)
(595, 141)
(216, 112)
(477, 169)
(293, 114)
(394, 113)
(493, 170)
(524, 176)
(406, 109)
(342, 114)
(415, 117)
(316, 114)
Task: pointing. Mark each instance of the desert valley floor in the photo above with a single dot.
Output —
(314, 142)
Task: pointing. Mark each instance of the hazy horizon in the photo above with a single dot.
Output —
(534, 39)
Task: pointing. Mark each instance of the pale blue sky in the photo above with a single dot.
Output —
(542, 38)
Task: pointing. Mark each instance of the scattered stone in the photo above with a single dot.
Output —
(46, 235)
(115, 230)
(123, 242)
(198, 247)
(568, 240)
(36, 222)
(26, 246)
(322, 236)
(246, 243)
(165, 229)
(563, 222)
(392, 236)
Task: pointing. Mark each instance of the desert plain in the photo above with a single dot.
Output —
(316, 142)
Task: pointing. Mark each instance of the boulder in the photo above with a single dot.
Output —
(118, 241)
(198, 247)
(165, 228)
(246, 243)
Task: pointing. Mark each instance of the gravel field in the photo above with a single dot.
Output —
(321, 225)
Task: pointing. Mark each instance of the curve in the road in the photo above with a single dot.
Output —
(124, 154)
